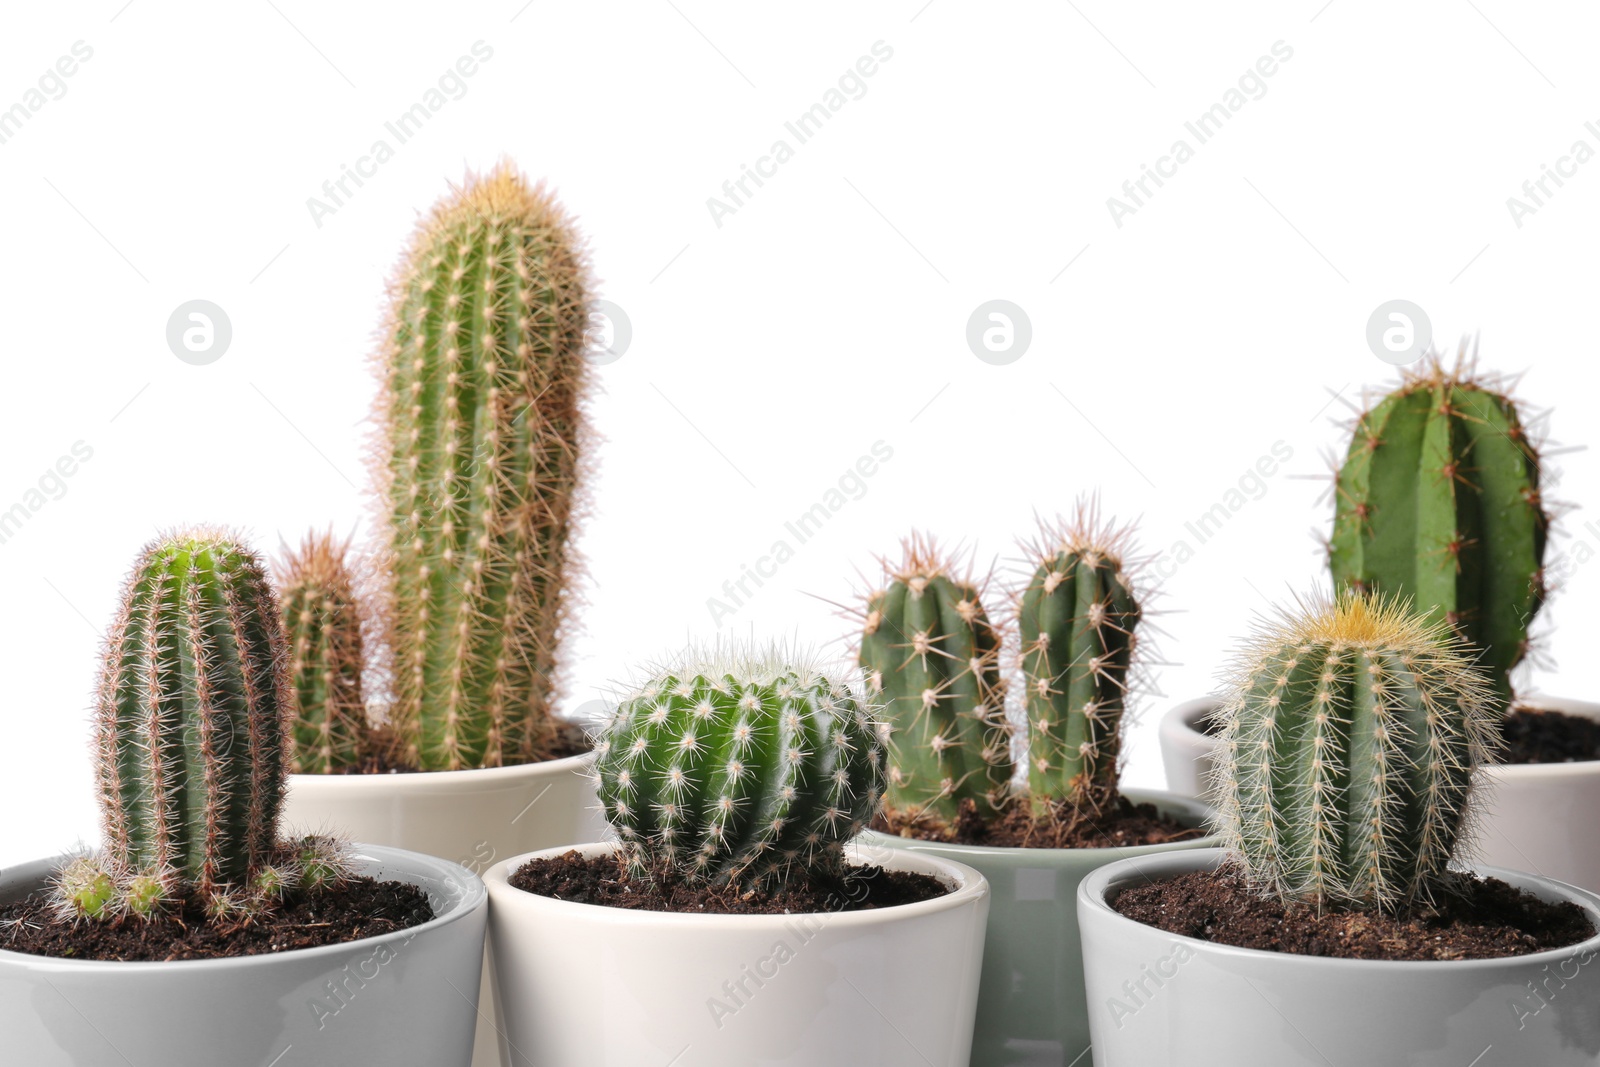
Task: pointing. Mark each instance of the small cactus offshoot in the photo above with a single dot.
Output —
(1352, 729)
(1079, 620)
(931, 659)
(322, 618)
(741, 769)
(1439, 501)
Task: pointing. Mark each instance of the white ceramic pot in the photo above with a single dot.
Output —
(1545, 817)
(472, 817)
(406, 999)
(607, 987)
(1186, 749)
(1160, 998)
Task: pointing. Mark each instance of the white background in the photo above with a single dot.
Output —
(827, 313)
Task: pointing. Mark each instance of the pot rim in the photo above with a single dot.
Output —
(401, 866)
(970, 887)
(1094, 887)
(1183, 717)
(446, 781)
(1194, 806)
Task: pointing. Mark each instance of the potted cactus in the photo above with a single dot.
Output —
(1337, 925)
(1440, 499)
(933, 656)
(163, 946)
(732, 922)
(481, 440)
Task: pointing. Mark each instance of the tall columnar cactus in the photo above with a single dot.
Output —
(1079, 620)
(932, 660)
(1351, 732)
(191, 710)
(736, 769)
(1439, 501)
(323, 620)
(482, 423)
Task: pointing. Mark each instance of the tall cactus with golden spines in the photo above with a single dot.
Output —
(322, 618)
(932, 661)
(1351, 732)
(482, 427)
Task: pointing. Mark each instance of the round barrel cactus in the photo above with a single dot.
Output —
(1352, 729)
(739, 769)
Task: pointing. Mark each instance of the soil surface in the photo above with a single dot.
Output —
(599, 880)
(384, 757)
(1535, 735)
(356, 909)
(1478, 919)
(1117, 822)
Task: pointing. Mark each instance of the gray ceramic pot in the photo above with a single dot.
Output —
(1187, 751)
(1157, 997)
(1031, 1008)
(406, 999)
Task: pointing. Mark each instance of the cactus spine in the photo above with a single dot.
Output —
(736, 769)
(482, 424)
(932, 660)
(323, 623)
(191, 711)
(1078, 619)
(1352, 731)
(1439, 501)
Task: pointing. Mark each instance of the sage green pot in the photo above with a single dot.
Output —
(1031, 1006)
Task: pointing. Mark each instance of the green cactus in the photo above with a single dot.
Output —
(323, 621)
(191, 712)
(739, 769)
(932, 661)
(1352, 729)
(1439, 501)
(482, 429)
(1079, 619)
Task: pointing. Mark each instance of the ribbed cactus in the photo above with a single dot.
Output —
(741, 769)
(1351, 732)
(323, 621)
(1439, 501)
(1079, 620)
(932, 661)
(482, 424)
(191, 711)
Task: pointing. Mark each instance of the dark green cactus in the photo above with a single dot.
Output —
(739, 770)
(1351, 733)
(932, 661)
(191, 713)
(321, 616)
(1079, 621)
(482, 429)
(1439, 501)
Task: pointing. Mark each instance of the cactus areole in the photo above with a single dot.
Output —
(481, 416)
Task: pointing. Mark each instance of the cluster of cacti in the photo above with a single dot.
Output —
(932, 661)
(482, 422)
(322, 618)
(191, 713)
(1078, 620)
(741, 769)
(1439, 501)
(1352, 729)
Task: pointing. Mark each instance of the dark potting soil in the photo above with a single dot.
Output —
(1478, 919)
(358, 908)
(1116, 822)
(1537, 735)
(383, 755)
(599, 880)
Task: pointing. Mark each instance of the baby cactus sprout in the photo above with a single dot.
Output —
(741, 768)
(229, 907)
(86, 889)
(1439, 501)
(317, 586)
(272, 882)
(321, 863)
(1352, 729)
(1078, 619)
(931, 659)
(145, 895)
